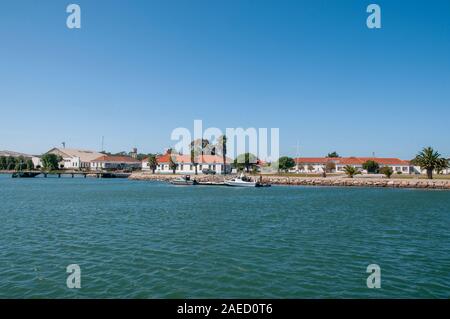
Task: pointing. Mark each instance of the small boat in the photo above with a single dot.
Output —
(241, 181)
(184, 181)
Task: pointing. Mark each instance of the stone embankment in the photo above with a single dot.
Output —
(313, 181)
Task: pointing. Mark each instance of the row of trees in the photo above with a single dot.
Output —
(49, 162)
(15, 163)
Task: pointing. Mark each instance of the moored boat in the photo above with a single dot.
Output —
(184, 181)
(241, 181)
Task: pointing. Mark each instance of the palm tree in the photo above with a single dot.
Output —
(351, 171)
(223, 148)
(152, 162)
(430, 160)
(172, 164)
(193, 159)
(199, 146)
(443, 164)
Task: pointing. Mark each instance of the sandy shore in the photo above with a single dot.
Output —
(312, 181)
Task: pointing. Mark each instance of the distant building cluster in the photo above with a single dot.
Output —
(319, 164)
(78, 159)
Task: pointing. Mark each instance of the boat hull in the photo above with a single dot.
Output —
(240, 184)
(183, 183)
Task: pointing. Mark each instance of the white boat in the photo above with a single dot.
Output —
(241, 181)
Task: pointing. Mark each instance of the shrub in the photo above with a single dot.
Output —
(387, 171)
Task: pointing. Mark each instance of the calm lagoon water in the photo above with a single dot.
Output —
(151, 240)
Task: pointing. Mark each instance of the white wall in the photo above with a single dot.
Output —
(188, 168)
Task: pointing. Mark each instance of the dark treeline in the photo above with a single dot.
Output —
(15, 163)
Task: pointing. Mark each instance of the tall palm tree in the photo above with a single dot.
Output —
(199, 147)
(223, 148)
(193, 159)
(172, 165)
(430, 160)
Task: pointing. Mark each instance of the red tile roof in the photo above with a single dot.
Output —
(186, 159)
(350, 160)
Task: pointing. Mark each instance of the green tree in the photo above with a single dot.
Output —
(386, 170)
(310, 168)
(430, 160)
(29, 164)
(20, 163)
(199, 147)
(351, 171)
(11, 162)
(152, 162)
(442, 164)
(223, 149)
(333, 154)
(172, 164)
(286, 163)
(371, 166)
(194, 160)
(3, 162)
(246, 160)
(50, 161)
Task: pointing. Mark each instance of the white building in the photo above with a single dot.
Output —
(75, 158)
(185, 165)
(319, 164)
(107, 162)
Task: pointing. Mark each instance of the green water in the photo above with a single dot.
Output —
(153, 240)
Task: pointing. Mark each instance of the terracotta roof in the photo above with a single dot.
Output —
(350, 160)
(186, 159)
(115, 159)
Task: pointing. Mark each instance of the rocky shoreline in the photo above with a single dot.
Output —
(313, 181)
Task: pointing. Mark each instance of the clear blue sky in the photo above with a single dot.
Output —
(138, 69)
